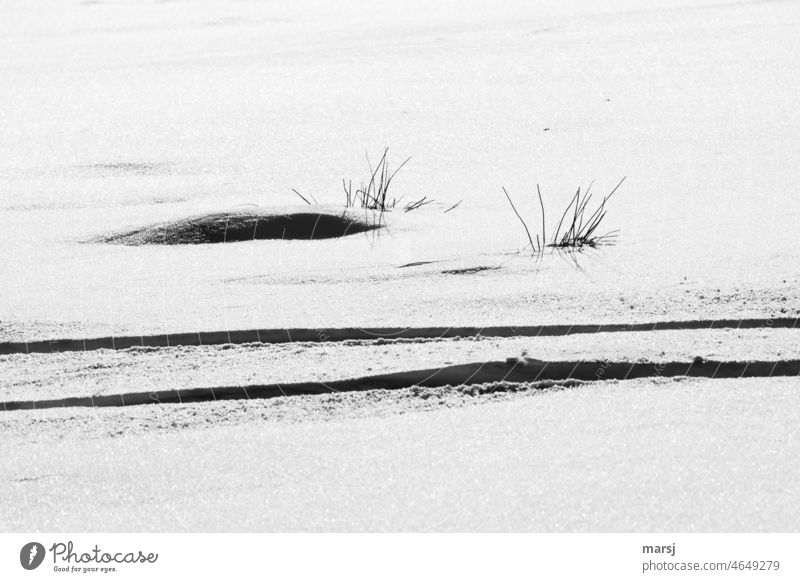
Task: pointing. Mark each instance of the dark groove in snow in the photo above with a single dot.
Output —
(512, 370)
(279, 336)
(240, 226)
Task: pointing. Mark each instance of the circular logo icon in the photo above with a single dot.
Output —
(31, 555)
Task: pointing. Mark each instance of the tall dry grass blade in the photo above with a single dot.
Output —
(563, 216)
(453, 207)
(541, 204)
(301, 196)
(528, 232)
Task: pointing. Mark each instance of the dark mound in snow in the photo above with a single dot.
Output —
(244, 226)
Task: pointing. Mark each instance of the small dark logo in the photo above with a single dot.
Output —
(31, 555)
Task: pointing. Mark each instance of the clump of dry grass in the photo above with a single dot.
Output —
(373, 193)
(578, 226)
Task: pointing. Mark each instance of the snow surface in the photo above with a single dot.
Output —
(666, 456)
(120, 114)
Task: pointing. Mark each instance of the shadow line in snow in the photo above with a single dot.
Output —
(514, 370)
(289, 335)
